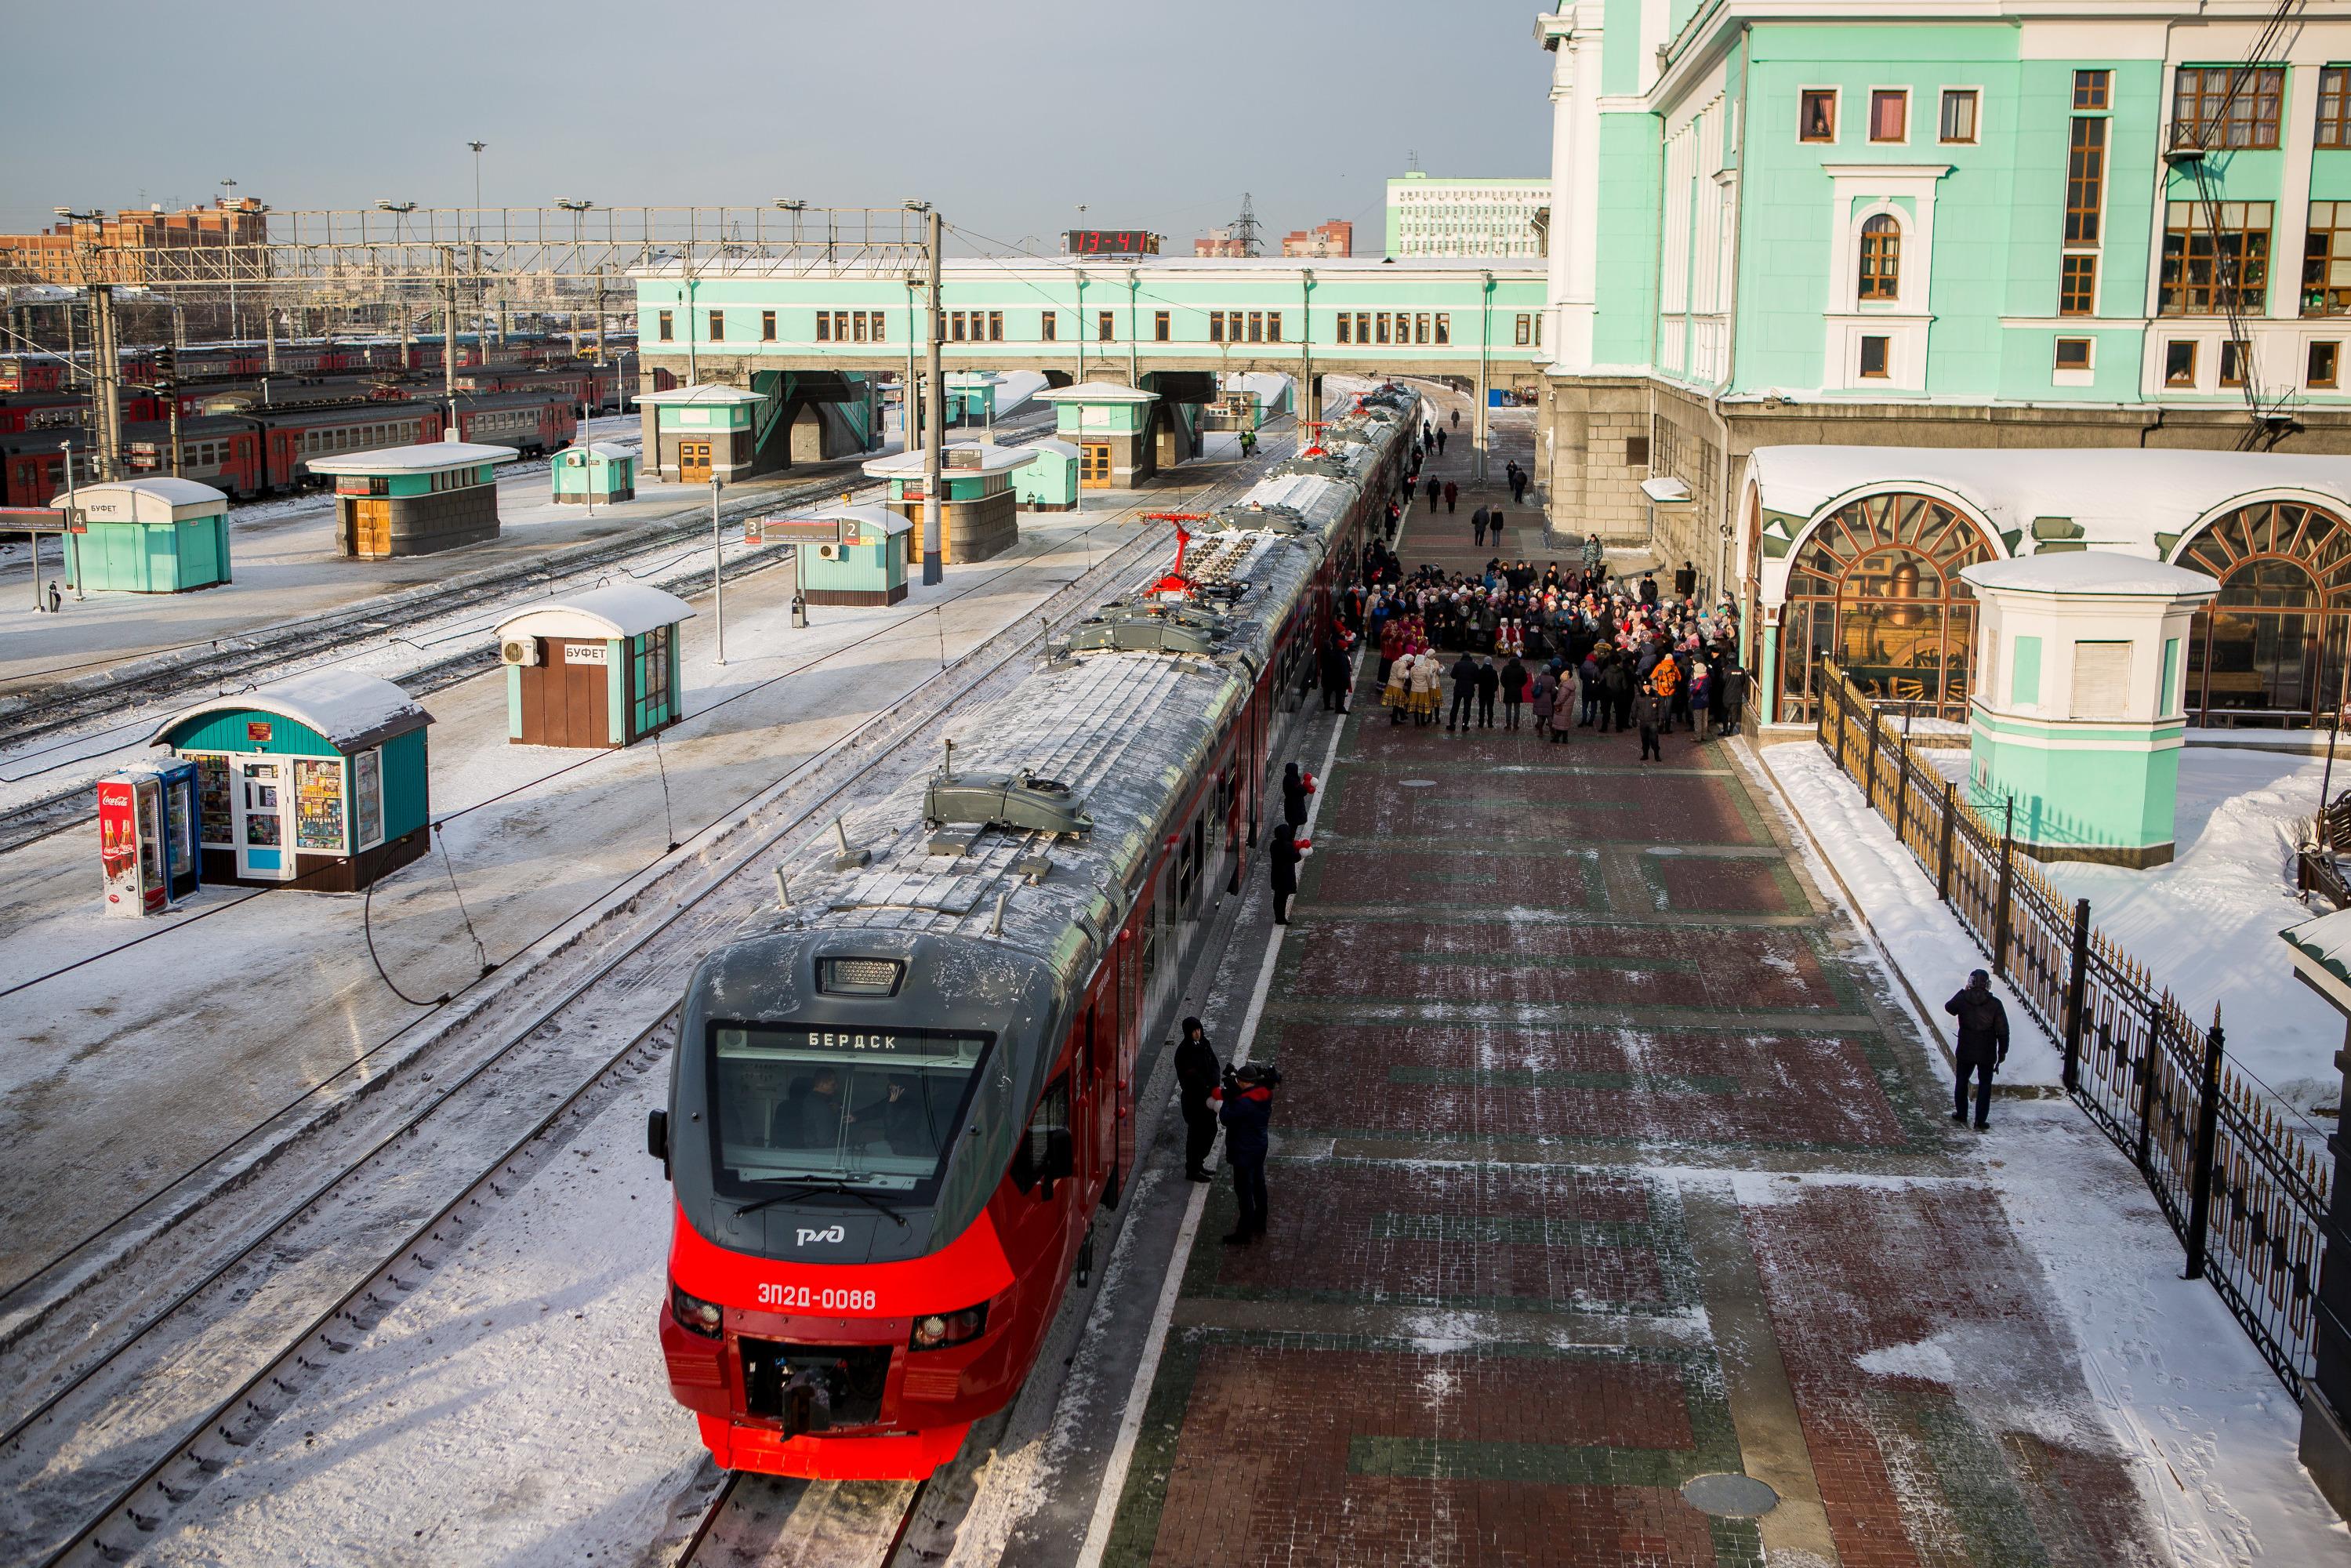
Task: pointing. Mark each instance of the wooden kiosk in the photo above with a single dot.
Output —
(594, 669)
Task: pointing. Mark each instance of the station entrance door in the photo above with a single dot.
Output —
(1093, 465)
(693, 462)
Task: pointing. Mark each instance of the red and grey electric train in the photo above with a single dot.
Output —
(897, 1102)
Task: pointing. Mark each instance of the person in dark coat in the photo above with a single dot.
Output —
(1452, 490)
(1489, 681)
(1284, 859)
(1515, 680)
(1984, 1045)
(1478, 527)
(1649, 589)
(1198, 1072)
(1465, 689)
(1440, 441)
(1494, 524)
(1293, 794)
(1247, 1116)
(1652, 711)
(1333, 662)
(1686, 581)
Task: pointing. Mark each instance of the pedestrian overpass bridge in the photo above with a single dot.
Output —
(806, 334)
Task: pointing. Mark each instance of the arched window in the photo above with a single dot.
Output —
(2270, 649)
(1881, 259)
(1876, 587)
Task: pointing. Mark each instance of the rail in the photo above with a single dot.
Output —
(2244, 1193)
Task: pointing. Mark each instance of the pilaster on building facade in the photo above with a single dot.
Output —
(1777, 223)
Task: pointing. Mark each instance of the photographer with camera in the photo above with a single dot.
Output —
(1248, 1115)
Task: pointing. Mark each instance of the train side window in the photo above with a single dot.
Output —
(1030, 1161)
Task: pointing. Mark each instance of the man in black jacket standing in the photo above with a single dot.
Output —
(1248, 1115)
(1196, 1075)
(1464, 691)
(1984, 1045)
(1284, 858)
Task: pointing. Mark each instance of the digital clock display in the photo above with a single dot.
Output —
(1110, 241)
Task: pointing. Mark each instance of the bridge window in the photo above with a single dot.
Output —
(1420, 328)
(1105, 329)
(824, 327)
(1444, 326)
(1525, 330)
(1273, 326)
(995, 326)
(955, 326)
(1346, 328)
(665, 332)
(767, 326)
(857, 324)
(1257, 326)
(1049, 326)
(1362, 326)
(1383, 319)
(718, 326)
(1159, 328)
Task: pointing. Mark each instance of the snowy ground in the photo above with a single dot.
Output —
(286, 566)
(86, 1055)
(2174, 1376)
(2206, 924)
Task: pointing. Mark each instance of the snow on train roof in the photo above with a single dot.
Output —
(1077, 720)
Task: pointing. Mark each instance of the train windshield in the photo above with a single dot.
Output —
(876, 1109)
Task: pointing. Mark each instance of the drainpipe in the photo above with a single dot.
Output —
(1133, 364)
(693, 375)
(1485, 343)
(1305, 347)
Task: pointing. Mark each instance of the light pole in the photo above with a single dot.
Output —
(717, 587)
(934, 405)
(478, 147)
(228, 220)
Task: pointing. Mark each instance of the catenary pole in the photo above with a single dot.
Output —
(933, 409)
(717, 588)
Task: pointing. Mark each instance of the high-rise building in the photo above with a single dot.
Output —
(1220, 242)
(1430, 217)
(1336, 237)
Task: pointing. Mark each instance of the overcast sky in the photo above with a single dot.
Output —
(1008, 115)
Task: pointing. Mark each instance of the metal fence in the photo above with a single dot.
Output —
(2245, 1194)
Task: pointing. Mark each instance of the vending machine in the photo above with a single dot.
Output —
(147, 838)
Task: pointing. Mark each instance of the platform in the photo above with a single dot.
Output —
(1605, 1161)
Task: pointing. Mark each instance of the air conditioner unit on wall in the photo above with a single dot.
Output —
(523, 651)
(827, 552)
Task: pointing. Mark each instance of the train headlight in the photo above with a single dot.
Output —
(693, 1314)
(940, 1330)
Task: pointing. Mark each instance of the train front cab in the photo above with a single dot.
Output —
(875, 1371)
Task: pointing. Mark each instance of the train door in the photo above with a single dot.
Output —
(693, 462)
(1109, 1109)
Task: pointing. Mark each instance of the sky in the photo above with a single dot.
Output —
(1007, 115)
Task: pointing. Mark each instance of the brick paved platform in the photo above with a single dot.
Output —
(1600, 1165)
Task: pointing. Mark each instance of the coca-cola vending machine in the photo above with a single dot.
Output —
(147, 838)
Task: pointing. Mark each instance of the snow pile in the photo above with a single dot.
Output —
(2207, 924)
(1895, 900)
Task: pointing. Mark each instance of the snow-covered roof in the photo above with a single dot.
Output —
(2091, 571)
(705, 394)
(622, 610)
(880, 518)
(1097, 391)
(604, 449)
(1067, 449)
(1666, 491)
(2121, 498)
(427, 457)
(2322, 955)
(351, 710)
(974, 379)
(991, 459)
(156, 500)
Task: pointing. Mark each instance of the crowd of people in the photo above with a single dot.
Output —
(1548, 650)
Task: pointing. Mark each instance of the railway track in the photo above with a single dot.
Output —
(112, 1441)
(767, 1521)
(162, 678)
